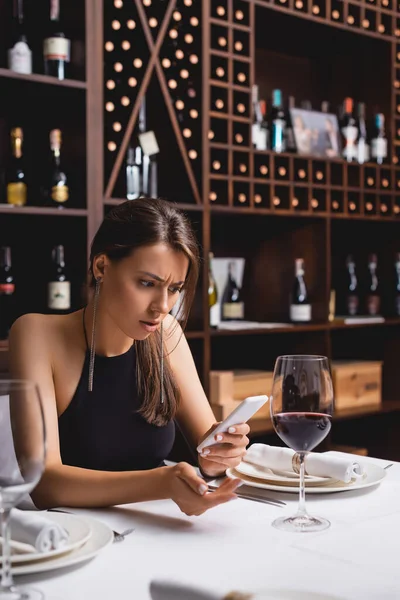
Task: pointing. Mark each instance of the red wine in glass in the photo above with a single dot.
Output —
(302, 431)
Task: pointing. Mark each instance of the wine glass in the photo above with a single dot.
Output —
(301, 411)
(22, 459)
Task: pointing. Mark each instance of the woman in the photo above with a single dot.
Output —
(115, 375)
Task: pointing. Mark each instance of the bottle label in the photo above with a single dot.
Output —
(379, 148)
(233, 310)
(60, 193)
(59, 295)
(373, 305)
(20, 58)
(262, 139)
(6, 289)
(56, 48)
(300, 312)
(215, 311)
(255, 129)
(350, 135)
(352, 305)
(16, 193)
(278, 135)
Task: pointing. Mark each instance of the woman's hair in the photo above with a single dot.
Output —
(131, 225)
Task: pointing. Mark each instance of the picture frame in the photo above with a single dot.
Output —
(316, 133)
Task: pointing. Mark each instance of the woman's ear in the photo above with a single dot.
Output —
(99, 265)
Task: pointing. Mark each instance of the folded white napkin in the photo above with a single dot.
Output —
(161, 589)
(30, 527)
(280, 459)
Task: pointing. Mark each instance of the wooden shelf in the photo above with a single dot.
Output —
(341, 325)
(43, 210)
(267, 330)
(194, 335)
(182, 206)
(46, 79)
(263, 426)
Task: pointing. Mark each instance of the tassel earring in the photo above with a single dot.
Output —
(162, 363)
(93, 340)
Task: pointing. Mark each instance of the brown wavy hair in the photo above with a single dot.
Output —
(145, 222)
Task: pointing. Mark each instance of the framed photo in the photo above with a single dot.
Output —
(316, 133)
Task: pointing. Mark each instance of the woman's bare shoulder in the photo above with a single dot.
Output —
(46, 330)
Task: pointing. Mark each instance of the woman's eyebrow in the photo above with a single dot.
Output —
(158, 278)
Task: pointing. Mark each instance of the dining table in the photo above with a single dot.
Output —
(234, 547)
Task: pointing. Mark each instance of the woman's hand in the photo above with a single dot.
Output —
(189, 491)
(227, 452)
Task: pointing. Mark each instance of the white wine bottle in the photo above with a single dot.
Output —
(300, 307)
(232, 305)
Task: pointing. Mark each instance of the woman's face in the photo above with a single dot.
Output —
(139, 291)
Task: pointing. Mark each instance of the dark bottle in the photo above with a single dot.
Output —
(300, 307)
(289, 133)
(231, 304)
(15, 175)
(349, 131)
(56, 46)
(277, 123)
(19, 52)
(373, 299)
(397, 289)
(379, 141)
(58, 184)
(362, 145)
(7, 289)
(352, 296)
(58, 286)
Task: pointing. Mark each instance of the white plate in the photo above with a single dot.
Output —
(79, 532)
(373, 475)
(269, 476)
(101, 537)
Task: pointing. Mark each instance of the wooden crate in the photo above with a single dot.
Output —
(357, 383)
(226, 386)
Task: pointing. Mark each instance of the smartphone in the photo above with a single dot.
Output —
(241, 414)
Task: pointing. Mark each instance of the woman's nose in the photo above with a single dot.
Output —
(161, 302)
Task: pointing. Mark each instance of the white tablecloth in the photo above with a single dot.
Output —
(233, 546)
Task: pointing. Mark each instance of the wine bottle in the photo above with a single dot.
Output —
(373, 299)
(349, 131)
(300, 307)
(289, 133)
(59, 286)
(7, 289)
(58, 184)
(352, 298)
(232, 305)
(132, 175)
(379, 141)
(212, 294)
(16, 176)
(19, 53)
(277, 123)
(263, 134)
(397, 287)
(362, 145)
(256, 125)
(56, 46)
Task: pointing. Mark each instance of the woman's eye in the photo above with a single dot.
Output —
(176, 290)
(146, 283)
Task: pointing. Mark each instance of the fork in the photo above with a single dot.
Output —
(118, 537)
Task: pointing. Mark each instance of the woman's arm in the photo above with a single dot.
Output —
(63, 485)
(195, 416)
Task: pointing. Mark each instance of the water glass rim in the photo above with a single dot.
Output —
(302, 357)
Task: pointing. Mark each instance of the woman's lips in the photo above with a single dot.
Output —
(149, 326)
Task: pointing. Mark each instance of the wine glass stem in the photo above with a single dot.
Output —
(6, 584)
(301, 511)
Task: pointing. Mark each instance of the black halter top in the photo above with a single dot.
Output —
(102, 429)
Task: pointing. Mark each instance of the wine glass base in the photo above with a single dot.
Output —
(21, 593)
(300, 523)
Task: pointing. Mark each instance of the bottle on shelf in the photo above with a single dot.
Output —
(349, 130)
(58, 286)
(7, 289)
(232, 306)
(379, 141)
(256, 125)
(212, 295)
(263, 134)
(289, 133)
(362, 144)
(300, 307)
(19, 52)
(352, 295)
(56, 46)
(16, 185)
(277, 123)
(397, 287)
(58, 183)
(373, 300)
(132, 175)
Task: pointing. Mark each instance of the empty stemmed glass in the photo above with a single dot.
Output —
(22, 459)
(301, 409)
